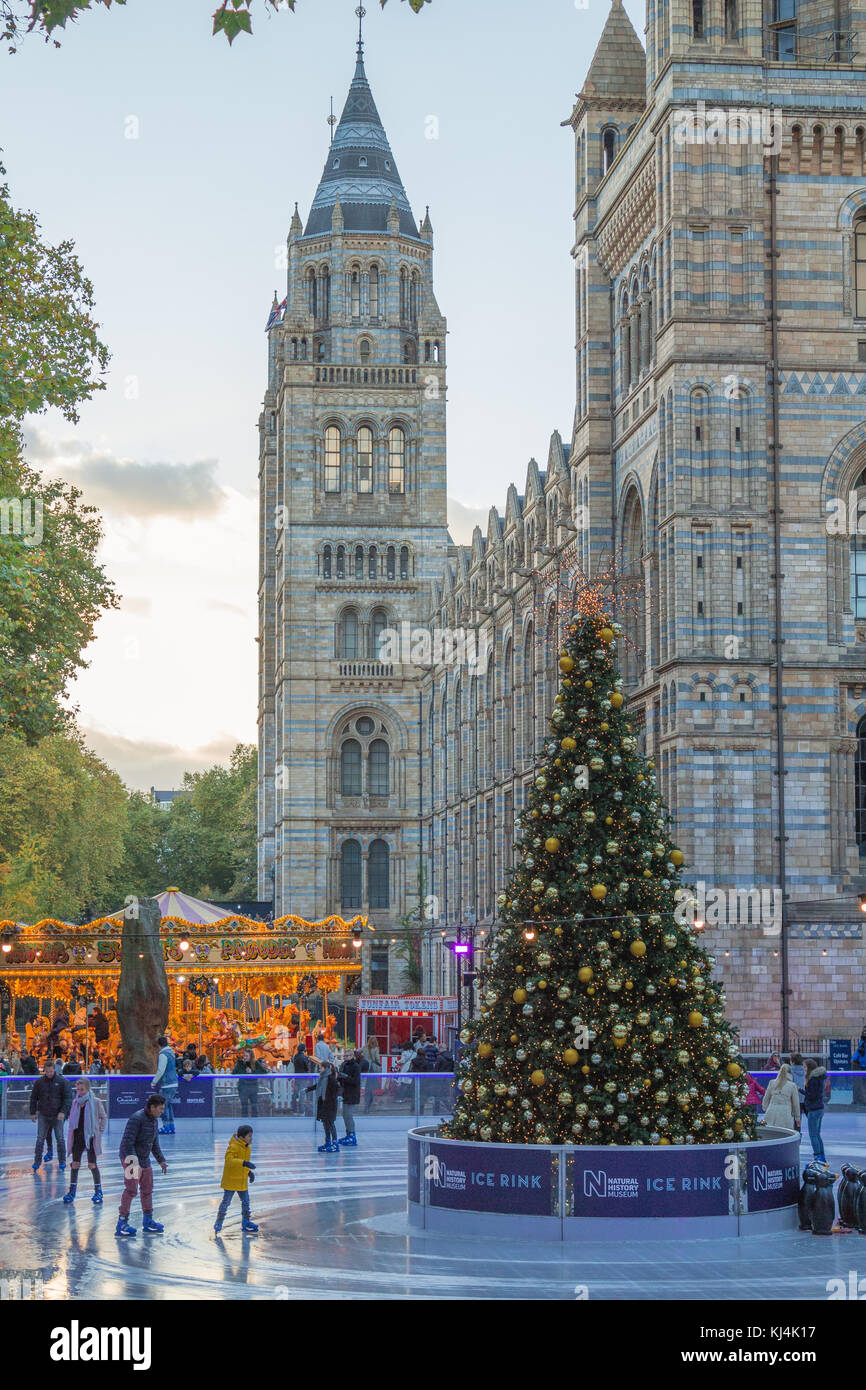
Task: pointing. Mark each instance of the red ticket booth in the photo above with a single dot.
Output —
(396, 1019)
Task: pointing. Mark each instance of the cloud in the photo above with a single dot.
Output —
(218, 605)
(125, 487)
(138, 607)
(462, 521)
(144, 763)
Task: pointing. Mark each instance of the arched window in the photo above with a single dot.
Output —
(732, 21)
(374, 291)
(373, 563)
(355, 286)
(341, 562)
(379, 768)
(326, 563)
(391, 563)
(608, 148)
(379, 875)
(324, 295)
(490, 716)
(860, 267)
(396, 461)
(350, 875)
(312, 294)
(404, 562)
(528, 696)
(359, 562)
(349, 635)
(404, 295)
(365, 350)
(415, 296)
(378, 625)
(473, 733)
(333, 450)
(698, 31)
(350, 768)
(507, 711)
(860, 788)
(858, 555)
(365, 459)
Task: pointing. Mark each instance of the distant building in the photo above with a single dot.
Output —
(163, 799)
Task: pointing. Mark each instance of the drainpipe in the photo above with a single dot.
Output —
(776, 449)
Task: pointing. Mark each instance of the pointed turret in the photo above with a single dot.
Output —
(427, 226)
(360, 170)
(296, 226)
(338, 221)
(618, 67)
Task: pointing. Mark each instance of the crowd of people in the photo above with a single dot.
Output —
(799, 1087)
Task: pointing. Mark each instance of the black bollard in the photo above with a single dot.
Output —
(823, 1210)
(807, 1197)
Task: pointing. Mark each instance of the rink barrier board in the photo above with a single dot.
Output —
(572, 1192)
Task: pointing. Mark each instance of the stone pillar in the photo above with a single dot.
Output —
(142, 995)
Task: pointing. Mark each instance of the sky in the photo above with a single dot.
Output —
(174, 162)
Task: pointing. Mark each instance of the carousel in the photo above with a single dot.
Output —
(234, 982)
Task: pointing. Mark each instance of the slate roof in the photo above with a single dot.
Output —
(618, 67)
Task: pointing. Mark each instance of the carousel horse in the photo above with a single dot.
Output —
(330, 1029)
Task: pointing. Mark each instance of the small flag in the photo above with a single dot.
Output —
(276, 313)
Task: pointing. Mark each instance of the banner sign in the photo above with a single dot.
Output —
(194, 1099)
(650, 1182)
(483, 1177)
(773, 1176)
(840, 1054)
(407, 1003)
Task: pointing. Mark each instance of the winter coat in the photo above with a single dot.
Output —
(300, 1062)
(373, 1055)
(141, 1137)
(49, 1098)
(28, 1066)
(95, 1120)
(755, 1092)
(72, 1069)
(431, 1052)
(444, 1062)
(101, 1028)
(236, 1178)
(798, 1076)
(858, 1060)
(166, 1070)
(323, 1051)
(327, 1092)
(781, 1105)
(350, 1078)
(815, 1090)
(248, 1086)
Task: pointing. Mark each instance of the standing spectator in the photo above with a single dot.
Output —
(816, 1077)
(249, 1070)
(781, 1104)
(202, 1065)
(431, 1052)
(444, 1063)
(350, 1082)
(774, 1061)
(28, 1063)
(72, 1066)
(15, 1062)
(323, 1051)
(140, 1140)
(87, 1121)
(858, 1063)
(374, 1058)
(165, 1081)
(97, 1066)
(50, 1103)
(327, 1092)
(238, 1173)
(300, 1066)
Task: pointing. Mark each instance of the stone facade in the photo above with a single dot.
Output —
(706, 452)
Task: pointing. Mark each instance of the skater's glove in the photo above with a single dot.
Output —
(252, 1177)
(249, 1165)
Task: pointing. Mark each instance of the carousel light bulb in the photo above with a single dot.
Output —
(529, 934)
(181, 979)
(183, 945)
(6, 946)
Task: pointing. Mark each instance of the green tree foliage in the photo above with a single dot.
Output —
(47, 17)
(62, 820)
(52, 590)
(600, 1021)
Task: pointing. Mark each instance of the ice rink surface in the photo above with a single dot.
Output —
(334, 1226)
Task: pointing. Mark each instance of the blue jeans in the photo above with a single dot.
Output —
(169, 1093)
(226, 1203)
(814, 1119)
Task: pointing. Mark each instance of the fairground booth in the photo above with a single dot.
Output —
(233, 980)
(395, 1019)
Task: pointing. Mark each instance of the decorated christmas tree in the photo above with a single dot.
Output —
(600, 1022)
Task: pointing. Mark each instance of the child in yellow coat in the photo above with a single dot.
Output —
(238, 1173)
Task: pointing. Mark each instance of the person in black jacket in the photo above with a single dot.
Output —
(816, 1078)
(327, 1091)
(250, 1069)
(350, 1085)
(101, 1027)
(140, 1140)
(28, 1063)
(50, 1102)
(300, 1066)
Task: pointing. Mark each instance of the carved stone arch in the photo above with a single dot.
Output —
(850, 209)
(843, 468)
(634, 550)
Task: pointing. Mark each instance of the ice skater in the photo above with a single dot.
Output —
(327, 1091)
(50, 1103)
(87, 1120)
(238, 1173)
(140, 1140)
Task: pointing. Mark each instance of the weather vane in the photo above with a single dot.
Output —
(332, 120)
(360, 12)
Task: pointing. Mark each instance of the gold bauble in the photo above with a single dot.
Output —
(569, 744)
(519, 996)
(584, 974)
(599, 892)
(570, 1057)
(566, 664)
(677, 857)
(695, 1019)
(606, 634)
(551, 845)
(638, 948)
(734, 1069)
(537, 1078)
(616, 699)
(484, 1049)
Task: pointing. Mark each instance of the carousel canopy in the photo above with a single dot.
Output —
(174, 903)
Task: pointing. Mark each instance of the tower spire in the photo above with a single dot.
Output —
(360, 12)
